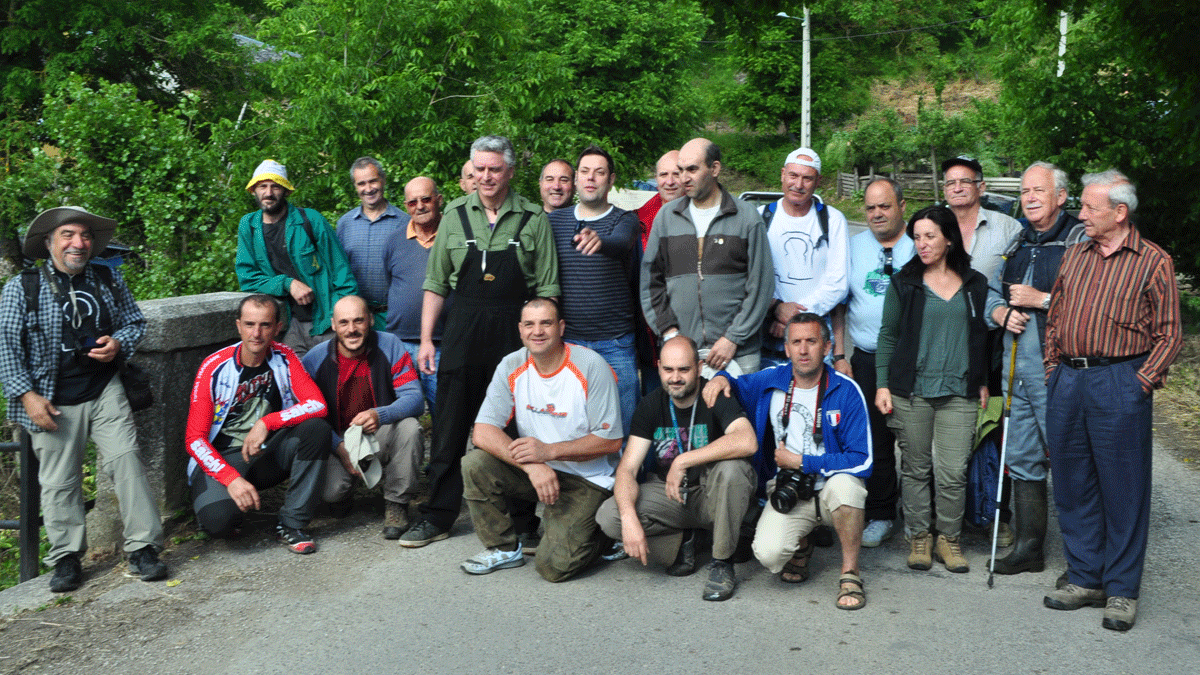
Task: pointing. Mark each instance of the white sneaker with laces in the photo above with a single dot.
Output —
(878, 531)
(491, 559)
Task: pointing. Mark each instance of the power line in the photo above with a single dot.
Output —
(864, 35)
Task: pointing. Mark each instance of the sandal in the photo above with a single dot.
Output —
(796, 569)
(854, 591)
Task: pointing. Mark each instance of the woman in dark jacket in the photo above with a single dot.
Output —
(932, 359)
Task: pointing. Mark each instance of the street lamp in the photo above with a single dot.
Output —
(806, 85)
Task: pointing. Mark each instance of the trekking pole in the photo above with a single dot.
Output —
(1012, 371)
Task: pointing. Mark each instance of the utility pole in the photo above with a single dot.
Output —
(806, 82)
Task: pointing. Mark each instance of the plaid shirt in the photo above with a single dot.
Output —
(30, 342)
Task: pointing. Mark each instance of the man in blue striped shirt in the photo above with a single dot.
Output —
(595, 242)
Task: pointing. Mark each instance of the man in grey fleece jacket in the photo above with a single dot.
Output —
(707, 270)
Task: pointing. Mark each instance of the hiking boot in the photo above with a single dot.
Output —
(1071, 597)
(1029, 518)
(685, 560)
(919, 557)
(395, 519)
(878, 531)
(295, 539)
(423, 534)
(1004, 537)
(68, 574)
(1119, 613)
(144, 563)
(722, 581)
(529, 542)
(491, 559)
(948, 551)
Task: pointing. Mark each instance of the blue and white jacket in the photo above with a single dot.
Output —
(846, 429)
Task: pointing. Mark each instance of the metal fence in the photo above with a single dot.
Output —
(30, 521)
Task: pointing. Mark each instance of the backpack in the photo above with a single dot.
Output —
(822, 217)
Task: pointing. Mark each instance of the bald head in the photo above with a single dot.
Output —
(700, 166)
(667, 174)
(423, 203)
(467, 180)
(351, 325)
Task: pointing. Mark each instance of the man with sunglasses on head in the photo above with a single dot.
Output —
(405, 256)
(874, 256)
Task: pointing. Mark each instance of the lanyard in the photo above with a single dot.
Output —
(691, 423)
(787, 409)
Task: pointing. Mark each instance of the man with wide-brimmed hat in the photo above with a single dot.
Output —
(291, 253)
(63, 329)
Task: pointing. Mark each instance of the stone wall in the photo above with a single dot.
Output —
(180, 333)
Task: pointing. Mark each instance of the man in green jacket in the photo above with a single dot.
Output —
(292, 253)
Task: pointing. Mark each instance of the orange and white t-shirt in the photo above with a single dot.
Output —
(578, 399)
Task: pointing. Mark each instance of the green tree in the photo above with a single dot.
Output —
(1127, 98)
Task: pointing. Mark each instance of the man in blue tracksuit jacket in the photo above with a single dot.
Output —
(811, 419)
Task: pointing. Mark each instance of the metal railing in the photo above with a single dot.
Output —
(30, 521)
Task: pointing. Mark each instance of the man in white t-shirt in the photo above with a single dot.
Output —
(809, 249)
(563, 402)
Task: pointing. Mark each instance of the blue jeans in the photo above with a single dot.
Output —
(620, 355)
(428, 382)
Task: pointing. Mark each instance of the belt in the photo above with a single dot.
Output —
(1085, 362)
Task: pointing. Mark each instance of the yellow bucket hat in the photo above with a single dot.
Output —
(270, 170)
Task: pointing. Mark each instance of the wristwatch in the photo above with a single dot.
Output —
(1046, 303)
(838, 357)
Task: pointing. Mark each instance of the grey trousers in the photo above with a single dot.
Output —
(108, 421)
(718, 503)
(571, 540)
(400, 450)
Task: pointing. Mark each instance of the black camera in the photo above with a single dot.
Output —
(792, 486)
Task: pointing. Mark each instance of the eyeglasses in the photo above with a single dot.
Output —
(886, 254)
(965, 182)
(422, 200)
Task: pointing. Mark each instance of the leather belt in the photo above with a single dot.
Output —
(1085, 362)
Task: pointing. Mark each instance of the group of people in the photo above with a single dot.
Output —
(538, 335)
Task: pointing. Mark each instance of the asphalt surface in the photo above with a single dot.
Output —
(366, 605)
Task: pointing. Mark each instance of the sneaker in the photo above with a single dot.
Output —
(491, 559)
(614, 551)
(68, 574)
(1071, 597)
(878, 531)
(948, 551)
(395, 519)
(295, 539)
(423, 534)
(1119, 613)
(722, 581)
(529, 542)
(144, 563)
(919, 557)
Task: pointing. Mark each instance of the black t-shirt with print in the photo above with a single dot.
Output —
(652, 420)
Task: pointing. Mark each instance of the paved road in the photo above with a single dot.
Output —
(365, 605)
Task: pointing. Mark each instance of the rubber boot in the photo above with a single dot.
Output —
(1029, 519)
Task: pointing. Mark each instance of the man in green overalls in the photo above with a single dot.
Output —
(495, 251)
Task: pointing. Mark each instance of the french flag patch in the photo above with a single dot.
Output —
(834, 417)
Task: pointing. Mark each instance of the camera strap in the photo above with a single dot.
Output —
(817, 416)
(76, 317)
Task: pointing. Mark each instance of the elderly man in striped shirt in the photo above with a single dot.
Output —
(1112, 331)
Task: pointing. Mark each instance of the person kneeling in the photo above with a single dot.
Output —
(563, 401)
(815, 420)
(697, 476)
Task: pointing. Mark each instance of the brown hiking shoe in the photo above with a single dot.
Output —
(919, 557)
(947, 551)
(395, 520)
